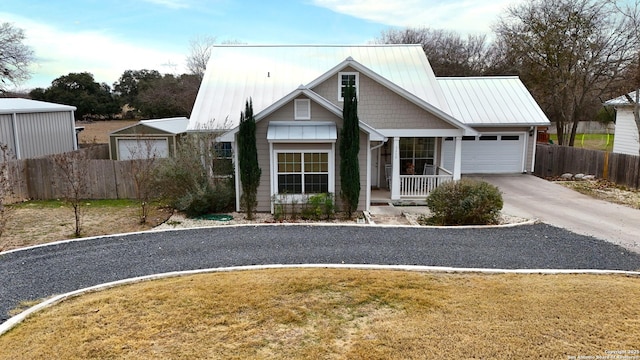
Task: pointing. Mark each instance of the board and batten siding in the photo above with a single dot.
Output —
(626, 134)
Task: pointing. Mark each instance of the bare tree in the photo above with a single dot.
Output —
(449, 53)
(72, 168)
(6, 189)
(569, 53)
(143, 170)
(199, 53)
(15, 56)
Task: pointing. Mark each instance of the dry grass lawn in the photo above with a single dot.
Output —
(340, 314)
(39, 222)
(97, 132)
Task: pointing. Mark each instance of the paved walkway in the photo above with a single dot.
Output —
(531, 197)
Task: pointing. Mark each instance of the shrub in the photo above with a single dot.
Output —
(319, 206)
(465, 202)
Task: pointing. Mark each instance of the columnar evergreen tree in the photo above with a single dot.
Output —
(248, 161)
(349, 148)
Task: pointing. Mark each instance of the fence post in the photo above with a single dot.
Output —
(605, 171)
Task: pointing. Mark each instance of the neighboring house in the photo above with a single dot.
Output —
(147, 138)
(416, 131)
(626, 133)
(35, 128)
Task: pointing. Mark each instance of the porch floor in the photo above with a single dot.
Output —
(383, 197)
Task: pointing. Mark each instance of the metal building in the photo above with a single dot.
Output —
(35, 128)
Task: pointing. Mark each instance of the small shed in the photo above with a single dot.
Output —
(157, 137)
(36, 128)
(626, 135)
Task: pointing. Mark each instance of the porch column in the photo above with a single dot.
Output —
(395, 169)
(457, 161)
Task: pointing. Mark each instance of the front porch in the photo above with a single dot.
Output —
(414, 166)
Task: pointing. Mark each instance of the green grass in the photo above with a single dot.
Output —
(51, 204)
(590, 141)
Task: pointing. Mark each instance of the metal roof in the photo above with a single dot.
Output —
(175, 125)
(301, 131)
(267, 73)
(19, 105)
(491, 101)
(622, 100)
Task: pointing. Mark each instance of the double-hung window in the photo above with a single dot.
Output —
(303, 172)
(346, 78)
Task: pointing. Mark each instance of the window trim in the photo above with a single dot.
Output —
(330, 172)
(301, 103)
(430, 160)
(340, 86)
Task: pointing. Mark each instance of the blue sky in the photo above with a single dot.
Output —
(107, 37)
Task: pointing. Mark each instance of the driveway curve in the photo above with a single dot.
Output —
(531, 197)
(63, 267)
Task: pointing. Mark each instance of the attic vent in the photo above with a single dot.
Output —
(302, 109)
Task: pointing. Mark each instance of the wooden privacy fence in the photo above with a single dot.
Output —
(554, 160)
(41, 179)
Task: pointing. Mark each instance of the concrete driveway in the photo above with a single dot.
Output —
(531, 197)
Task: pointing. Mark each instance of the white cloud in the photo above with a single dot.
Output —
(104, 55)
(172, 4)
(464, 16)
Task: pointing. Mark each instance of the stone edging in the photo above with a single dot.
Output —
(17, 319)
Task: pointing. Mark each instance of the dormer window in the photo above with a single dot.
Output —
(302, 109)
(344, 79)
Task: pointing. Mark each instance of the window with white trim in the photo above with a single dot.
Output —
(302, 109)
(303, 172)
(346, 78)
(416, 154)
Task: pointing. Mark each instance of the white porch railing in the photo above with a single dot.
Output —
(422, 185)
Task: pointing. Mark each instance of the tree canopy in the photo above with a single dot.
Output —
(91, 99)
(15, 56)
(570, 54)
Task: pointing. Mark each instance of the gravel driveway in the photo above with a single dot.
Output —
(60, 268)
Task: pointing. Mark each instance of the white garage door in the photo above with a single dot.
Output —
(488, 154)
(141, 149)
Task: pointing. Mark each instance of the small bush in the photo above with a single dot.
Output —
(465, 202)
(319, 206)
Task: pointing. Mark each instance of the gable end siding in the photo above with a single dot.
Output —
(382, 108)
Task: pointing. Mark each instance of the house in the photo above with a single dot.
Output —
(416, 131)
(158, 137)
(35, 128)
(626, 133)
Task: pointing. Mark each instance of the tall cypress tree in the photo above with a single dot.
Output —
(248, 161)
(349, 148)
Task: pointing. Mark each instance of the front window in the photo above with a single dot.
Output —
(346, 78)
(303, 172)
(417, 156)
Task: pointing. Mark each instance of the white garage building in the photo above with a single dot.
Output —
(505, 116)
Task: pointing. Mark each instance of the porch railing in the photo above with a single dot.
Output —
(421, 185)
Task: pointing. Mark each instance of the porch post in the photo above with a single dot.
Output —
(457, 162)
(395, 169)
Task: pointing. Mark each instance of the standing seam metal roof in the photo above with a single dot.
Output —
(268, 73)
(491, 101)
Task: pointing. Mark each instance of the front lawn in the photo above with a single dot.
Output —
(340, 314)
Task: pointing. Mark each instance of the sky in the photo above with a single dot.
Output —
(107, 37)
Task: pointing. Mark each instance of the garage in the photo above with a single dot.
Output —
(129, 149)
(148, 138)
(488, 153)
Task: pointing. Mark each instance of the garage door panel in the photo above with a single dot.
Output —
(129, 149)
(488, 154)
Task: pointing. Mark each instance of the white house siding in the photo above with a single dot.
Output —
(382, 108)
(626, 135)
(45, 133)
